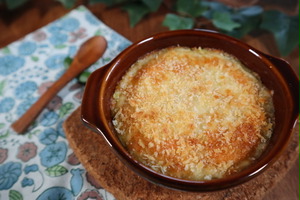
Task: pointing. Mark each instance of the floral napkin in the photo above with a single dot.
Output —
(40, 164)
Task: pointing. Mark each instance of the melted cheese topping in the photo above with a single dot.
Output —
(193, 114)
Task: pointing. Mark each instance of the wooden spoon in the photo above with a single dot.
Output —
(88, 53)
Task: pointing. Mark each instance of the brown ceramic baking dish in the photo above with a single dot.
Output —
(276, 74)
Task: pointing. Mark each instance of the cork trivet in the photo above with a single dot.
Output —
(99, 160)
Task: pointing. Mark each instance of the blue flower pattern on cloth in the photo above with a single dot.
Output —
(91, 19)
(9, 174)
(6, 104)
(60, 129)
(58, 38)
(56, 61)
(31, 168)
(25, 90)
(25, 105)
(53, 154)
(72, 51)
(49, 118)
(76, 181)
(67, 24)
(56, 193)
(27, 48)
(40, 164)
(10, 64)
(27, 182)
(48, 136)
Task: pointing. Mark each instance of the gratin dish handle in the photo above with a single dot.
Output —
(291, 79)
(89, 105)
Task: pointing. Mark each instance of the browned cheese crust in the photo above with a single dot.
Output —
(192, 113)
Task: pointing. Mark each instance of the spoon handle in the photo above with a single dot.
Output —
(92, 50)
(26, 119)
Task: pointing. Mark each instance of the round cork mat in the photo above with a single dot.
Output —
(99, 160)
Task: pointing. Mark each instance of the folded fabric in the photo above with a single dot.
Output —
(40, 164)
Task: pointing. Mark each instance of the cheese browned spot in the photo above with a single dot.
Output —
(192, 113)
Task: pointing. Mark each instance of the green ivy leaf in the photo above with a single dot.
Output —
(15, 3)
(84, 76)
(248, 24)
(2, 125)
(60, 46)
(34, 58)
(136, 12)
(249, 19)
(98, 32)
(2, 85)
(5, 50)
(67, 62)
(67, 3)
(213, 7)
(65, 109)
(192, 8)
(107, 59)
(15, 195)
(153, 5)
(285, 29)
(33, 132)
(251, 11)
(175, 22)
(223, 21)
(81, 8)
(56, 171)
(107, 2)
(4, 134)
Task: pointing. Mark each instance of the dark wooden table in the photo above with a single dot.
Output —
(35, 14)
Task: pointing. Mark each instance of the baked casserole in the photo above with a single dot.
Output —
(192, 113)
